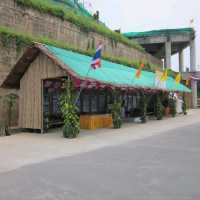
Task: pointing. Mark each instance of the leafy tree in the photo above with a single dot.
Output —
(116, 109)
(172, 105)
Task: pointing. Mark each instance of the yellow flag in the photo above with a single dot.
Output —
(164, 75)
(178, 78)
(187, 82)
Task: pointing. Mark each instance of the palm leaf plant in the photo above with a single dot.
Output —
(69, 111)
(116, 109)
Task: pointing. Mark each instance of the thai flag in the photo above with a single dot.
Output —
(96, 61)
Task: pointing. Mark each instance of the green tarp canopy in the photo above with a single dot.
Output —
(110, 73)
(161, 32)
(73, 4)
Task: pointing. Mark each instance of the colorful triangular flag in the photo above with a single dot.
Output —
(187, 82)
(164, 75)
(178, 78)
(96, 61)
(139, 71)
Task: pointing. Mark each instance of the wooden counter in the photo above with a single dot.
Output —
(93, 122)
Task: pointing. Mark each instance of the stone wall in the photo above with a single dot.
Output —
(31, 21)
(8, 57)
(4, 108)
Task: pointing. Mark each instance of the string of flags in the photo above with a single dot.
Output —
(178, 78)
(165, 75)
(162, 76)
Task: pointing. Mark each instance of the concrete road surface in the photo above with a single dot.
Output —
(161, 167)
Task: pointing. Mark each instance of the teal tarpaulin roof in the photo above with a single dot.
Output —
(73, 4)
(165, 32)
(110, 73)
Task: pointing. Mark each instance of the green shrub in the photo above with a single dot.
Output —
(159, 108)
(9, 101)
(116, 114)
(69, 110)
(172, 105)
(143, 107)
(184, 106)
(83, 22)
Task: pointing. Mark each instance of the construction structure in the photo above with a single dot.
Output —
(167, 42)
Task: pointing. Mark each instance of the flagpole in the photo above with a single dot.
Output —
(81, 88)
(96, 62)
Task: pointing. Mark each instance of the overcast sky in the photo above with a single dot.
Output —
(143, 15)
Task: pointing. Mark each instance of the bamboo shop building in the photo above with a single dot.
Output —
(39, 76)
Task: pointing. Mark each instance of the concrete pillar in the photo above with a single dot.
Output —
(194, 94)
(168, 51)
(181, 61)
(192, 56)
(193, 69)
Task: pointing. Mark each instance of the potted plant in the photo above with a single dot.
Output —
(159, 108)
(143, 108)
(166, 106)
(9, 102)
(172, 104)
(116, 114)
(69, 111)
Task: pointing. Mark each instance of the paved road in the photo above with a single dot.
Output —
(162, 167)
